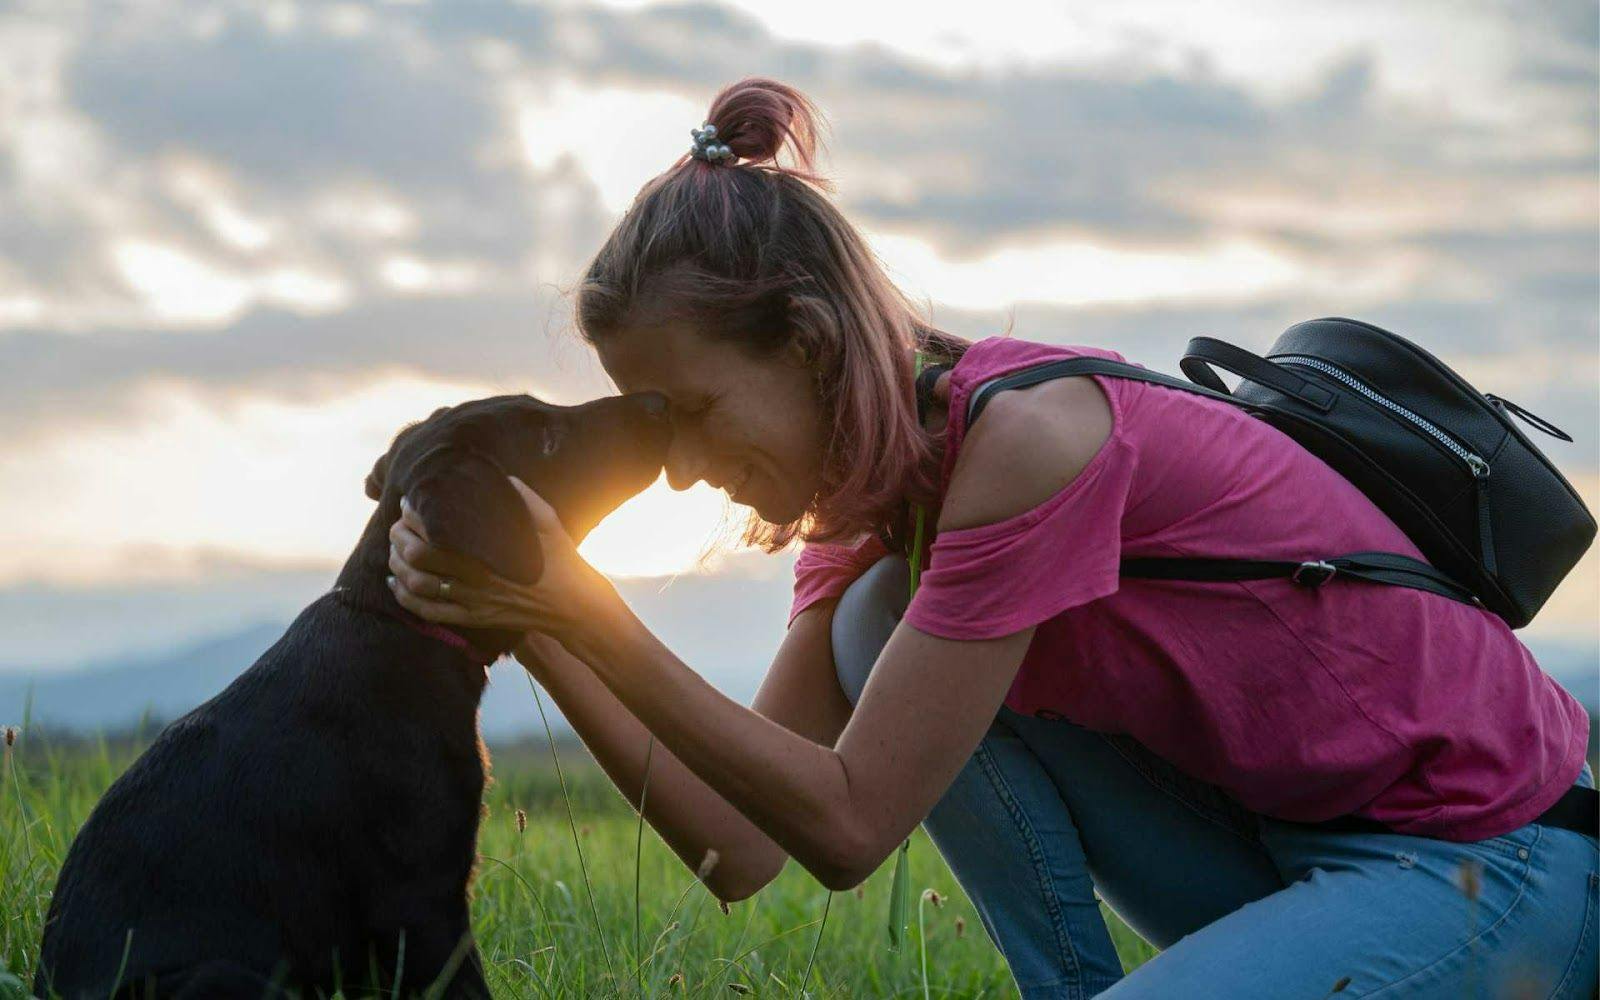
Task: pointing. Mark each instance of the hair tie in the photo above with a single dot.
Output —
(706, 147)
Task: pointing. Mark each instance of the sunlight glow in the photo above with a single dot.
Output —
(643, 133)
(1078, 272)
(205, 190)
(198, 479)
(660, 532)
(181, 288)
(256, 477)
(1230, 40)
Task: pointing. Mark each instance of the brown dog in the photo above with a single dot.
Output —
(314, 826)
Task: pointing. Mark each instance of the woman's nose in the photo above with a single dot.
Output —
(685, 462)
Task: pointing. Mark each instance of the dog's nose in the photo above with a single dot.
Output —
(654, 404)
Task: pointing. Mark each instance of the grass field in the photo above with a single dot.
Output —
(620, 917)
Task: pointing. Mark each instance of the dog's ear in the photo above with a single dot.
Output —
(380, 469)
(467, 505)
(377, 477)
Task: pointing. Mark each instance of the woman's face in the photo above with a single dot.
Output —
(752, 428)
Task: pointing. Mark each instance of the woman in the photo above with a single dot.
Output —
(1058, 729)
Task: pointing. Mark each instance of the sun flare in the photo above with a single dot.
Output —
(659, 532)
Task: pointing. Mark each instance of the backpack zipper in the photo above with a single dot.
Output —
(1475, 462)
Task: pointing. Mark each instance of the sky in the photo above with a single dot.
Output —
(242, 243)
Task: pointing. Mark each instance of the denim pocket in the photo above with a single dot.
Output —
(1517, 845)
(1573, 980)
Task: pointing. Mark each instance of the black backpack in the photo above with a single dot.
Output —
(1498, 523)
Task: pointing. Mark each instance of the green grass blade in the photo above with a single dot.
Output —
(638, 855)
(805, 977)
(572, 822)
(899, 892)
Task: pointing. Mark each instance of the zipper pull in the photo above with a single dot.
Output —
(1532, 419)
(1480, 479)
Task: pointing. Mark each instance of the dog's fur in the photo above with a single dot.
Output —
(315, 824)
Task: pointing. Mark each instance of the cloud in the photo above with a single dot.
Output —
(518, 341)
(266, 161)
(288, 108)
(299, 200)
(428, 106)
(1500, 347)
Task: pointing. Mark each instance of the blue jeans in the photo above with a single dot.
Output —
(1046, 814)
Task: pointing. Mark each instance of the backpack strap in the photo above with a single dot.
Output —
(1389, 568)
(925, 383)
(1203, 352)
(1372, 567)
(1084, 366)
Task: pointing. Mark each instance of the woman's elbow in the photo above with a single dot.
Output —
(737, 887)
(842, 879)
(849, 859)
(848, 873)
(747, 875)
(847, 856)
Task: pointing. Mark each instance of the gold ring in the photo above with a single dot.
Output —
(444, 590)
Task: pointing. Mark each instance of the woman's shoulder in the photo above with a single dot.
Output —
(995, 357)
(999, 355)
(1032, 443)
(1027, 422)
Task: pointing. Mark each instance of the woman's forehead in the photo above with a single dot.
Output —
(659, 359)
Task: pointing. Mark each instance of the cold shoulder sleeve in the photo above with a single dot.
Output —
(824, 570)
(995, 579)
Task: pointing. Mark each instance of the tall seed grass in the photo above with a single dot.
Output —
(626, 921)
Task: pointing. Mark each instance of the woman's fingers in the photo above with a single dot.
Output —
(406, 562)
(480, 610)
(544, 516)
(402, 540)
(443, 612)
(411, 519)
(414, 579)
(456, 590)
(432, 585)
(408, 537)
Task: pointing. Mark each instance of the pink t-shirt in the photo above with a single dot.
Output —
(1421, 712)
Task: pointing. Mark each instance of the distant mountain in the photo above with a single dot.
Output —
(115, 694)
(727, 629)
(1576, 666)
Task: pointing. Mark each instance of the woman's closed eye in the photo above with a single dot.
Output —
(691, 413)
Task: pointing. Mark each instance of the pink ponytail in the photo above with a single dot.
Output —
(750, 251)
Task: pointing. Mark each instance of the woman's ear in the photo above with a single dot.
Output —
(468, 506)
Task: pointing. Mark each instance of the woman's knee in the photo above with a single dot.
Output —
(864, 618)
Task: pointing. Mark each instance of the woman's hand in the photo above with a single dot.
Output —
(452, 589)
(539, 655)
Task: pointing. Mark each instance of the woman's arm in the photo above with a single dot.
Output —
(800, 693)
(838, 810)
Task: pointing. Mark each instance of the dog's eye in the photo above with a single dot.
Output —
(549, 440)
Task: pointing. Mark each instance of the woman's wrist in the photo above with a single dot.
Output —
(605, 631)
(534, 651)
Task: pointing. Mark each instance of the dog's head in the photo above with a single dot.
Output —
(583, 460)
